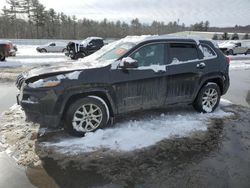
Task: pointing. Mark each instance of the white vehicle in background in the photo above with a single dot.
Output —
(235, 47)
(52, 47)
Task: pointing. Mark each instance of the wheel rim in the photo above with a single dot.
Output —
(87, 118)
(209, 99)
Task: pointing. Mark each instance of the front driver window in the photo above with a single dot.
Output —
(152, 54)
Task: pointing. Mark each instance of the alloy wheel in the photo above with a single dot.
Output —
(209, 99)
(87, 118)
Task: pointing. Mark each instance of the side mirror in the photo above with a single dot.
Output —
(128, 62)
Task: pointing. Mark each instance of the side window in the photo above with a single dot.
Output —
(180, 52)
(207, 51)
(152, 54)
(93, 43)
(238, 44)
(52, 44)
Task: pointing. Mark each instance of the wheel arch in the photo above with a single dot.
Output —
(216, 80)
(101, 94)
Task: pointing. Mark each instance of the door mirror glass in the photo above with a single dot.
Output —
(128, 62)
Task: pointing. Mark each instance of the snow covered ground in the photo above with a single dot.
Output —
(28, 56)
(137, 134)
(18, 137)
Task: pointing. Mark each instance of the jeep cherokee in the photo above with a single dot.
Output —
(132, 74)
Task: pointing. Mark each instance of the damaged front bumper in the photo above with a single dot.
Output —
(40, 106)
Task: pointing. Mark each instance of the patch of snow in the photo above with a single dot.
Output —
(8, 63)
(128, 60)
(225, 102)
(239, 64)
(155, 68)
(134, 135)
(60, 77)
(36, 84)
(73, 75)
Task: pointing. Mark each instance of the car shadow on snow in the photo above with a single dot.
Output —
(137, 168)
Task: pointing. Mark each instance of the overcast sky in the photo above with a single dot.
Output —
(217, 12)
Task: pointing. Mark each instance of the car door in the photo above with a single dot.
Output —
(92, 46)
(142, 87)
(183, 72)
(239, 49)
(51, 47)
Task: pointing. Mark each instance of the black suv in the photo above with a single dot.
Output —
(132, 74)
(85, 48)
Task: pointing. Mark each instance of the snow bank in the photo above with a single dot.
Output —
(7, 63)
(239, 64)
(134, 135)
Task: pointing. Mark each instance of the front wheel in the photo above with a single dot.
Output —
(208, 98)
(86, 115)
(2, 58)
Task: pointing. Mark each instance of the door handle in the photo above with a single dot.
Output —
(201, 65)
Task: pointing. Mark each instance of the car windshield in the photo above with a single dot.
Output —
(117, 51)
(86, 41)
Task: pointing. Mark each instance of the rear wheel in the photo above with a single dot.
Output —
(86, 115)
(43, 51)
(247, 52)
(230, 52)
(208, 98)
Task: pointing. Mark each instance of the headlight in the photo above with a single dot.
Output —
(51, 84)
(42, 83)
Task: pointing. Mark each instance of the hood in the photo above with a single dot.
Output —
(62, 68)
(226, 45)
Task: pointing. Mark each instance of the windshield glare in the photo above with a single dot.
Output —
(117, 51)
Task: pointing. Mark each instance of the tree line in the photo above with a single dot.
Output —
(30, 19)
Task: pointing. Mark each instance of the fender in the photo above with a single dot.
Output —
(102, 93)
(208, 78)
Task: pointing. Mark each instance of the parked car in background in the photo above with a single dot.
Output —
(86, 47)
(5, 49)
(52, 47)
(132, 74)
(235, 47)
(13, 50)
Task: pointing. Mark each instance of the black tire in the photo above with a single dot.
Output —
(43, 50)
(230, 52)
(78, 55)
(201, 98)
(77, 128)
(2, 58)
(247, 52)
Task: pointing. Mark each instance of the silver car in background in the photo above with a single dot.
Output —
(235, 47)
(52, 47)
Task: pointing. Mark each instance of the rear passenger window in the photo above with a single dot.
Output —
(180, 52)
(207, 51)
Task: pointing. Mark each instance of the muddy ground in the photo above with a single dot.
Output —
(219, 157)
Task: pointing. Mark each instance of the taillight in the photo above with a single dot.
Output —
(7, 46)
(228, 60)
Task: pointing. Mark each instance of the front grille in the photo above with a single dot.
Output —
(19, 81)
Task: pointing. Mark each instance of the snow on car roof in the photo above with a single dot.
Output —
(95, 38)
(170, 36)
